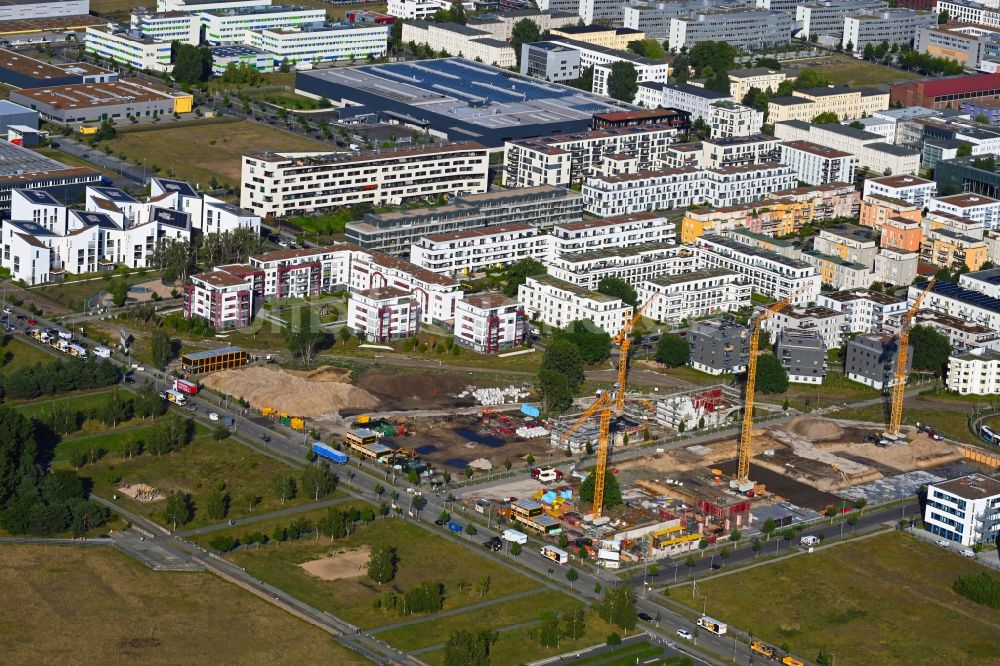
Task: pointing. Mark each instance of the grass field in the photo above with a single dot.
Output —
(73, 160)
(197, 153)
(75, 294)
(506, 614)
(885, 600)
(104, 7)
(336, 12)
(97, 606)
(82, 401)
(422, 557)
(842, 70)
(289, 100)
(951, 424)
(19, 354)
(836, 388)
(196, 469)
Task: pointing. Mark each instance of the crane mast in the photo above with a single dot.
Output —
(899, 385)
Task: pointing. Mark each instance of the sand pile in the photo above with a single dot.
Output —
(920, 452)
(817, 430)
(343, 564)
(295, 392)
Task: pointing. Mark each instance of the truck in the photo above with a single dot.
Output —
(102, 352)
(185, 386)
(66, 335)
(711, 624)
(809, 541)
(324, 451)
(549, 475)
(515, 537)
(761, 648)
(175, 397)
(792, 661)
(76, 349)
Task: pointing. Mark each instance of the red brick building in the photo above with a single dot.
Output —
(946, 93)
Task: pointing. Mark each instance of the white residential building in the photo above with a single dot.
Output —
(283, 183)
(964, 11)
(601, 58)
(866, 311)
(460, 40)
(489, 323)
(224, 297)
(693, 295)
(736, 151)
(303, 46)
(421, 9)
(871, 149)
(611, 232)
(971, 306)
(632, 264)
(382, 314)
(974, 207)
(732, 186)
(818, 165)
(911, 189)
(771, 274)
(563, 159)
(761, 78)
(965, 510)
(896, 267)
(478, 250)
(684, 96)
(748, 29)
(826, 323)
(557, 303)
(974, 372)
(728, 119)
(824, 20)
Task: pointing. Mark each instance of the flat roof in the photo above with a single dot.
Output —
(234, 51)
(478, 233)
(219, 279)
(50, 23)
(95, 95)
(490, 301)
(209, 353)
(469, 92)
(749, 250)
(753, 71)
(37, 69)
(971, 487)
(609, 221)
(848, 295)
(667, 280)
(816, 149)
(966, 200)
(704, 93)
(550, 281)
(901, 181)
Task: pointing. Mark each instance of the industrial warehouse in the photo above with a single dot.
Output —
(458, 99)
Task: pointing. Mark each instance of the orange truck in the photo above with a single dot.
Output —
(761, 648)
(792, 661)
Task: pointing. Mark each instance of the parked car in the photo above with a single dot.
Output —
(645, 617)
(685, 634)
(455, 527)
(944, 543)
(968, 553)
(440, 523)
(129, 379)
(213, 416)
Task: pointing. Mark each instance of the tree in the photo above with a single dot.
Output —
(672, 350)
(649, 48)
(163, 350)
(931, 349)
(618, 288)
(223, 544)
(720, 56)
(318, 481)
(116, 408)
(680, 70)
(769, 527)
(170, 434)
(188, 63)
(623, 82)
(466, 648)
(515, 549)
(869, 52)
(284, 487)
(471, 529)
(809, 78)
(148, 403)
(982, 119)
(964, 150)
(718, 82)
(519, 272)
(613, 640)
(575, 623)
(303, 337)
(524, 31)
(217, 505)
(618, 607)
(825, 118)
(612, 490)
(943, 17)
(572, 575)
(457, 13)
(593, 344)
(757, 547)
(174, 257)
(548, 628)
(382, 564)
(771, 375)
(179, 509)
(824, 658)
(560, 375)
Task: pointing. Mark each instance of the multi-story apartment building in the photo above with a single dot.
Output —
(696, 101)
(693, 295)
(871, 149)
(653, 18)
(974, 207)
(895, 26)
(603, 11)
(951, 299)
(911, 189)
(761, 78)
(607, 36)
(770, 273)
(818, 165)
(877, 210)
(128, 47)
(728, 119)
(283, 183)
(824, 21)
(394, 232)
(974, 372)
(849, 242)
(986, 282)
(962, 334)
(865, 311)
(632, 264)
(501, 24)
(321, 42)
(563, 159)
(871, 360)
(824, 322)
(896, 267)
(953, 250)
(737, 151)
(489, 323)
(557, 303)
(382, 314)
(477, 250)
(551, 62)
(802, 354)
(224, 297)
(964, 43)
(838, 273)
(732, 186)
(847, 103)
(420, 9)
(601, 58)
(965, 11)
(457, 39)
(719, 346)
(965, 510)
(611, 232)
(229, 26)
(745, 28)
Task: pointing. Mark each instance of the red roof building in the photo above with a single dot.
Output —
(946, 93)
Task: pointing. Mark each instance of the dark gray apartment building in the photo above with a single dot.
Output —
(719, 347)
(803, 355)
(393, 232)
(871, 359)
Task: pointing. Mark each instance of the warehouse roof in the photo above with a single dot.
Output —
(89, 95)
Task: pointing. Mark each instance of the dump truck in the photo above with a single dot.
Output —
(324, 451)
(760, 648)
(184, 386)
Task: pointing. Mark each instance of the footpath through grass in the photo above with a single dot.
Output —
(884, 600)
(65, 605)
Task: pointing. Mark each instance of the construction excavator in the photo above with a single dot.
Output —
(609, 403)
(899, 385)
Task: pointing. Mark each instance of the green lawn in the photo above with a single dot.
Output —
(289, 100)
(68, 605)
(19, 354)
(74, 294)
(198, 469)
(951, 424)
(198, 153)
(836, 388)
(843, 70)
(81, 401)
(422, 557)
(885, 600)
(509, 613)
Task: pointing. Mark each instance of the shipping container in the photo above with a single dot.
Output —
(185, 387)
(515, 537)
(330, 453)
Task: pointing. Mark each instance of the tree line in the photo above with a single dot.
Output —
(58, 376)
(335, 524)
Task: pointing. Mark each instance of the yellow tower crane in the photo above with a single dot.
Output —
(899, 386)
(741, 481)
(605, 404)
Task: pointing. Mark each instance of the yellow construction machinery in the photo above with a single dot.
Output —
(741, 481)
(603, 406)
(899, 386)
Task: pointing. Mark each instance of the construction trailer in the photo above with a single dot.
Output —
(212, 360)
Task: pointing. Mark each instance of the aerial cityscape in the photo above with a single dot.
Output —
(500, 332)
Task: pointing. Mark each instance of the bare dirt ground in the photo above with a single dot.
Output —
(298, 393)
(342, 564)
(416, 390)
(141, 492)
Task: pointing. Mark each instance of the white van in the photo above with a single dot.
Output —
(809, 541)
(102, 352)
